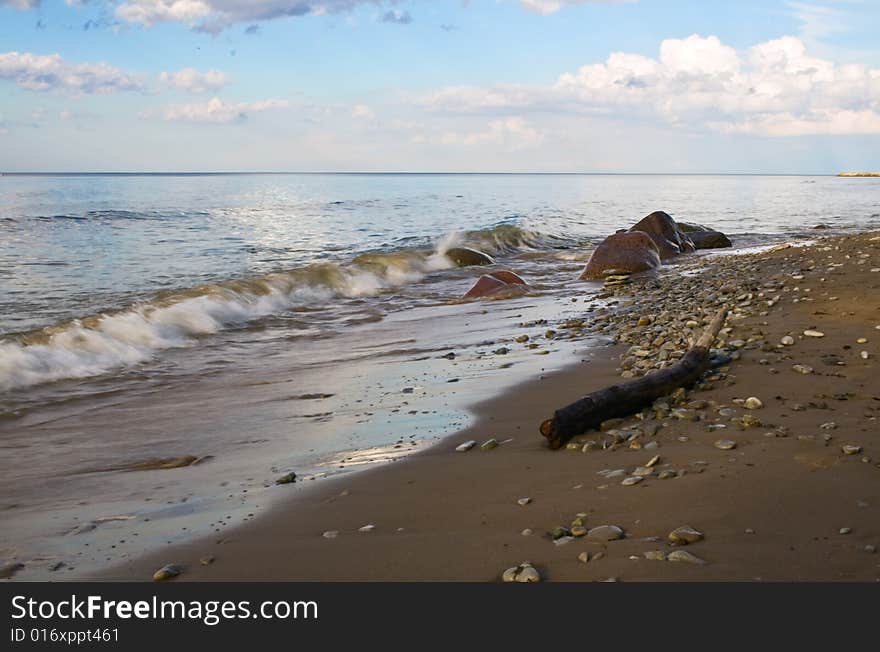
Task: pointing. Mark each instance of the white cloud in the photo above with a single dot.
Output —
(215, 15)
(545, 7)
(216, 111)
(50, 72)
(774, 89)
(21, 5)
(362, 112)
(193, 81)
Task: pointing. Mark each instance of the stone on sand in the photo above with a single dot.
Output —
(604, 533)
(684, 535)
(167, 572)
(684, 556)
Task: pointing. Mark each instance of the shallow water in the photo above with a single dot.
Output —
(269, 323)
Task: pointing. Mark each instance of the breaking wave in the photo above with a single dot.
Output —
(101, 343)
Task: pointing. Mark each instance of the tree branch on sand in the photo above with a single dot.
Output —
(628, 397)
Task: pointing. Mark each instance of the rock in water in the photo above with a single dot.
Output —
(464, 257)
(629, 252)
(605, 533)
(670, 239)
(287, 478)
(684, 535)
(493, 283)
(685, 556)
(167, 572)
(705, 238)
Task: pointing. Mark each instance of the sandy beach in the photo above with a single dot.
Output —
(783, 488)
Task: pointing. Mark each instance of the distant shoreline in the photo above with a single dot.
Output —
(859, 174)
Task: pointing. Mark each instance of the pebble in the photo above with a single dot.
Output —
(753, 403)
(864, 355)
(655, 555)
(522, 338)
(845, 530)
(466, 446)
(206, 561)
(653, 461)
(287, 478)
(802, 368)
(605, 533)
(578, 531)
(809, 333)
(725, 444)
(523, 501)
(10, 569)
(167, 572)
(871, 548)
(330, 534)
(851, 449)
(527, 532)
(643, 471)
(584, 557)
(367, 528)
(628, 482)
(489, 444)
(665, 475)
(685, 556)
(751, 421)
(788, 340)
(684, 535)
(525, 572)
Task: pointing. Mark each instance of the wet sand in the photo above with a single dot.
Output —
(787, 503)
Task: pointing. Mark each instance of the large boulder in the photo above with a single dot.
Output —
(666, 234)
(494, 283)
(626, 252)
(464, 257)
(705, 238)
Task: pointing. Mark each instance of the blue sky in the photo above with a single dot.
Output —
(483, 85)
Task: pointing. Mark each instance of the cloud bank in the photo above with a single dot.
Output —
(772, 89)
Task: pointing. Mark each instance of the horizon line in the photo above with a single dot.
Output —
(398, 173)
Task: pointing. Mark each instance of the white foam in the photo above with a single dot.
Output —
(136, 334)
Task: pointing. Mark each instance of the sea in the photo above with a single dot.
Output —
(172, 344)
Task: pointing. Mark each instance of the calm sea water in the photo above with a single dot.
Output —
(277, 322)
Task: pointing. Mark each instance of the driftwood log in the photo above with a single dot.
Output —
(628, 397)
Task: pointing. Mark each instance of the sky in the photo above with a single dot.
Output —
(655, 86)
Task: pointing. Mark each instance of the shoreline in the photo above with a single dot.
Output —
(786, 503)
